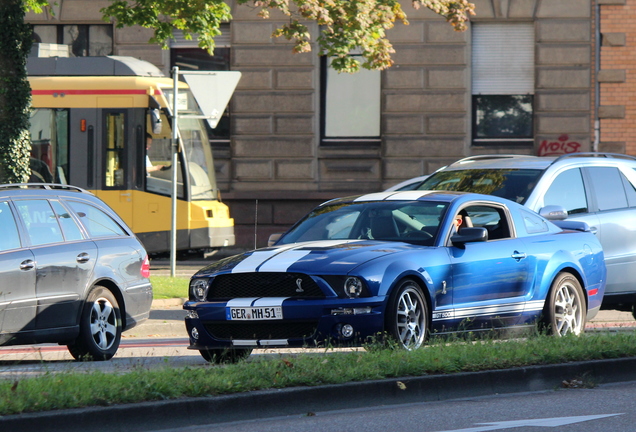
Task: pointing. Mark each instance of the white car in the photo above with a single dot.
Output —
(406, 185)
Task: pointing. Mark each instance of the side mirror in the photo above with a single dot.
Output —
(273, 239)
(469, 235)
(554, 212)
(155, 121)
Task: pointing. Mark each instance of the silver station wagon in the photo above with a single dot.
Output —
(71, 271)
(596, 188)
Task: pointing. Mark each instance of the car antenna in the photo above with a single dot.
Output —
(255, 222)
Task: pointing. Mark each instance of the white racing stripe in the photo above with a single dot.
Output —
(282, 262)
(252, 262)
(488, 310)
(281, 258)
(269, 301)
(242, 302)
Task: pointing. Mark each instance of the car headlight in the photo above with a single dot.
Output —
(353, 287)
(199, 289)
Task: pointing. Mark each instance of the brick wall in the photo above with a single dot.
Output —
(617, 76)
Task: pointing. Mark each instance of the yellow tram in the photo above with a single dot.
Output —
(105, 124)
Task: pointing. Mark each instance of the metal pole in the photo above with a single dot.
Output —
(175, 149)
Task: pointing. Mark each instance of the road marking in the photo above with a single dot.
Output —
(547, 422)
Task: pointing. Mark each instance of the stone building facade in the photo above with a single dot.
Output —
(441, 101)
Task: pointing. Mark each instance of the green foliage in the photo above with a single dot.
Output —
(191, 16)
(165, 287)
(346, 25)
(65, 390)
(15, 93)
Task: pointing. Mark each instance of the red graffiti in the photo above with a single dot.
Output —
(560, 147)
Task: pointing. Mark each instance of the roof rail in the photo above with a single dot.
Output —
(48, 186)
(487, 157)
(595, 154)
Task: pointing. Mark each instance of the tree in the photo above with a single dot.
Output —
(345, 24)
(15, 93)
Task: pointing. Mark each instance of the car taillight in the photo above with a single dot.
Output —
(145, 268)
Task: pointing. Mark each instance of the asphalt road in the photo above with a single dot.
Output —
(607, 407)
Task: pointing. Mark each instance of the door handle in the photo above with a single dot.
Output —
(83, 257)
(593, 230)
(518, 256)
(27, 265)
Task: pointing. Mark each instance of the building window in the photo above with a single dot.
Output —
(83, 39)
(350, 106)
(503, 84)
(186, 54)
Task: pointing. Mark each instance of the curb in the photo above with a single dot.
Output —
(304, 400)
(167, 303)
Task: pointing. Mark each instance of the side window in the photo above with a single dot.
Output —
(69, 227)
(567, 190)
(630, 190)
(608, 188)
(10, 238)
(534, 223)
(492, 218)
(96, 222)
(40, 221)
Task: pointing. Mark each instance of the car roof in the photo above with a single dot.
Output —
(538, 162)
(419, 195)
(44, 189)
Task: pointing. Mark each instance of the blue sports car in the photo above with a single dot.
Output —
(402, 264)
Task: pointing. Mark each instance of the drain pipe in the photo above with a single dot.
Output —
(597, 67)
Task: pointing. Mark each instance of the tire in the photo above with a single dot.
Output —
(100, 327)
(225, 355)
(565, 310)
(407, 316)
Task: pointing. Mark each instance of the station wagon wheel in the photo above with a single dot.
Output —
(407, 315)
(565, 310)
(225, 355)
(100, 327)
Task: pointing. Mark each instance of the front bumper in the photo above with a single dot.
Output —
(305, 323)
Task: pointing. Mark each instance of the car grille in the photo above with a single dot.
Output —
(263, 285)
(261, 330)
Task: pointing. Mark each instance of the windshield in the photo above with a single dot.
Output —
(414, 222)
(199, 159)
(513, 184)
(197, 151)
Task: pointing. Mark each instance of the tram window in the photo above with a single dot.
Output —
(159, 154)
(49, 145)
(115, 143)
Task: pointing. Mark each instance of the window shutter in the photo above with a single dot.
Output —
(503, 59)
(221, 41)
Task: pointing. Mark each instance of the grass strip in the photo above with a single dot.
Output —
(53, 391)
(166, 287)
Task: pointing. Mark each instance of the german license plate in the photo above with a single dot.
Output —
(255, 313)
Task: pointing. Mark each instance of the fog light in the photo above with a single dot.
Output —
(192, 314)
(346, 331)
(194, 333)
